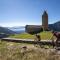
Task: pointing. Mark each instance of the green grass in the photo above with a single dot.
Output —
(23, 36)
(12, 51)
(44, 35)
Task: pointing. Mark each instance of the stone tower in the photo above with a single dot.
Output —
(45, 20)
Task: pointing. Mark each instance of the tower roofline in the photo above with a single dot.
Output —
(45, 12)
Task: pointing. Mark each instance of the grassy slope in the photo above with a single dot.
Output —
(44, 35)
(12, 51)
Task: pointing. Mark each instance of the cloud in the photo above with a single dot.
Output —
(11, 24)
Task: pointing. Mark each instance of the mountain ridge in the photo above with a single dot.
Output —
(21, 29)
(6, 30)
(55, 26)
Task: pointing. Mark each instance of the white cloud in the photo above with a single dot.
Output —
(11, 24)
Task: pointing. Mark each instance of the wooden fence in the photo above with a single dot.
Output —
(29, 41)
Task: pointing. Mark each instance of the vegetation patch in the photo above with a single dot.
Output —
(14, 51)
(44, 35)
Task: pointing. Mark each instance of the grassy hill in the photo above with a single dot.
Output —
(44, 35)
(14, 51)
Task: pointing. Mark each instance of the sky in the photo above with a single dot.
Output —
(23, 12)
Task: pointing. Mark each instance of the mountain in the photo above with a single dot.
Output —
(18, 29)
(6, 30)
(55, 26)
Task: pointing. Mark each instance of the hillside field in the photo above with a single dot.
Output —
(15, 51)
(44, 35)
